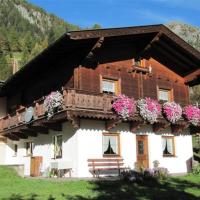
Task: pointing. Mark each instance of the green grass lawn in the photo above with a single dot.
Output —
(13, 187)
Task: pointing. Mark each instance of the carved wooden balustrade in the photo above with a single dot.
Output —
(74, 100)
(76, 104)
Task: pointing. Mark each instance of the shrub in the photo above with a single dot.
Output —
(159, 173)
(196, 169)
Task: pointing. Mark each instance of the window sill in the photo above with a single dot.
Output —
(110, 156)
(169, 156)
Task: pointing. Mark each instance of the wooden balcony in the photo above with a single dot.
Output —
(76, 103)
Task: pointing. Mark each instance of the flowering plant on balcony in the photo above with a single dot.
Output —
(192, 114)
(149, 109)
(124, 106)
(172, 111)
(52, 103)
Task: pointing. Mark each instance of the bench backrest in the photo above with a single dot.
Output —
(105, 163)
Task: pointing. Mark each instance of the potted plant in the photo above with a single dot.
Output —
(192, 114)
(149, 109)
(124, 106)
(172, 111)
(52, 103)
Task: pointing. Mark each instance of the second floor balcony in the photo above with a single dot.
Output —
(77, 104)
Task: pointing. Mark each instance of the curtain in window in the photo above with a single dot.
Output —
(29, 148)
(167, 146)
(110, 145)
(108, 86)
(57, 140)
(164, 95)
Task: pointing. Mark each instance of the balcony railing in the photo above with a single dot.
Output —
(74, 100)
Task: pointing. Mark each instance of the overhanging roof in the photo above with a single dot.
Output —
(152, 40)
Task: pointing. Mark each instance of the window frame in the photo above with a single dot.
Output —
(117, 85)
(139, 62)
(173, 145)
(170, 94)
(15, 150)
(117, 135)
(54, 154)
(31, 148)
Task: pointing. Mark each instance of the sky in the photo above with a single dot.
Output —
(122, 13)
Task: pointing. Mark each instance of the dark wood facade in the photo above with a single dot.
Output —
(77, 63)
(133, 83)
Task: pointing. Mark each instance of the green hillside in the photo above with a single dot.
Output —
(25, 30)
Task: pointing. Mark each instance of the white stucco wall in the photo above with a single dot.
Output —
(90, 141)
(2, 152)
(43, 146)
(20, 159)
(85, 143)
(183, 149)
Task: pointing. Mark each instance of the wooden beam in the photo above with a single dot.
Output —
(170, 57)
(178, 128)
(158, 126)
(75, 120)
(40, 129)
(20, 135)
(112, 123)
(176, 53)
(148, 46)
(91, 57)
(11, 136)
(97, 45)
(135, 125)
(29, 132)
(192, 76)
(56, 126)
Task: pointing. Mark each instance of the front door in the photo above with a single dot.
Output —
(142, 151)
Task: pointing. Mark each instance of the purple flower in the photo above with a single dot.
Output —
(149, 109)
(172, 111)
(124, 106)
(192, 114)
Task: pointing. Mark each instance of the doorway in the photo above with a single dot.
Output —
(142, 151)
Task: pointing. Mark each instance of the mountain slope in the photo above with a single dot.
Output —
(25, 30)
(187, 32)
(191, 35)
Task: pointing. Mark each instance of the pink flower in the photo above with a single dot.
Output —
(192, 114)
(172, 111)
(124, 106)
(149, 109)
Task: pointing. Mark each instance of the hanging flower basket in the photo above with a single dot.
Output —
(149, 109)
(192, 114)
(124, 106)
(172, 111)
(52, 103)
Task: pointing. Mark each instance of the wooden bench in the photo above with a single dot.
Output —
(103, 165)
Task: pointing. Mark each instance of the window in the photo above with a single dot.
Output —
(110, 86)
(141, 147)
(29, 148)
(110, 144)
(57, 142)
(164, 95)
(139, 62)
(15, 149)
(168, 146)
